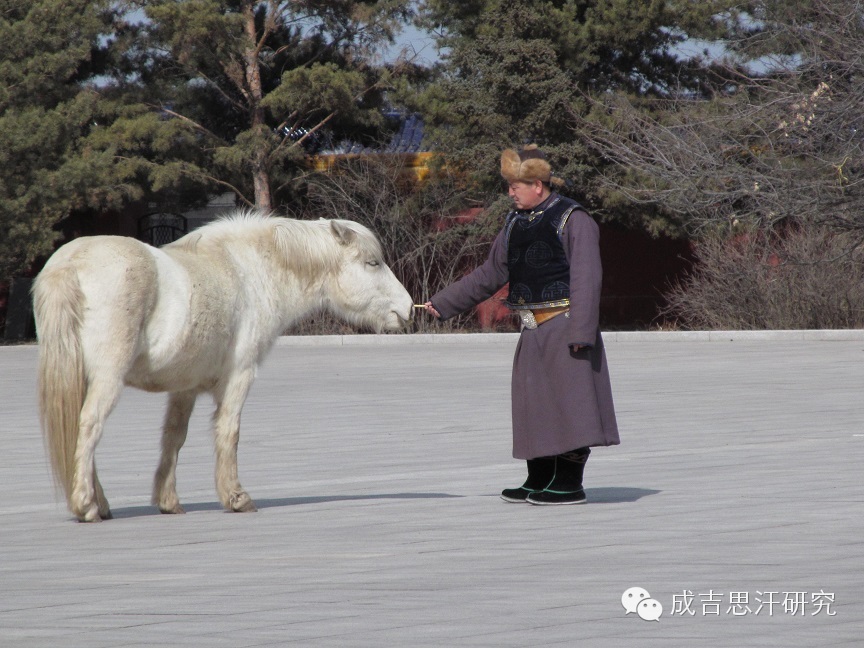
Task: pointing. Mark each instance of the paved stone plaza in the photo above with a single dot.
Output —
(736, 500)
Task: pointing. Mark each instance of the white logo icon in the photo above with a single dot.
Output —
(638, 600)
(649, 610)
(632, 597)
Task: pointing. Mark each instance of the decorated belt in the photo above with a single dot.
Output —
(531, 319)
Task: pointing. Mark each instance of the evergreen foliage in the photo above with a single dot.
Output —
(49, 51)
(103, 103)
(519, 72)
(253, 83)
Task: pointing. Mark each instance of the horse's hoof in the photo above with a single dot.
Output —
(91, 514)
(107, 515)
(87, 519)
(177, 510)
(242, 503)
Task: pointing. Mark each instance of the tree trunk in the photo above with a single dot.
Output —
(260, 167)
(261, 178)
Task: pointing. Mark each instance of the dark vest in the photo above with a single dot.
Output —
(538, 268)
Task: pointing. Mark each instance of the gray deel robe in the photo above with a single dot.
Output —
(561, 400)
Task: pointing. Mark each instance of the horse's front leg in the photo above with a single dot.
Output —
(174, 432)
(229, 403)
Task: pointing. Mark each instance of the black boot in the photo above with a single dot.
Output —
(540, 472)
(566, 484)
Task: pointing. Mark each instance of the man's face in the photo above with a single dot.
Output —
(526, 195)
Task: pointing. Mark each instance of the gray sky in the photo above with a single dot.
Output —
(414, 41)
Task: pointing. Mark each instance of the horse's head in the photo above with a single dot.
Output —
(363, 290)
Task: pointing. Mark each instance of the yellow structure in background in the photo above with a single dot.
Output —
(415, 164)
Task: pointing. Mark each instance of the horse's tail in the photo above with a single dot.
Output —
(58, 304)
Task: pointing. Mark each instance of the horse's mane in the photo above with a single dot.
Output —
(308, 248)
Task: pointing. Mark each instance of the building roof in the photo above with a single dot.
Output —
(408, 130)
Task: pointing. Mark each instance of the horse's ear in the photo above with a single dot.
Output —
(344, 234)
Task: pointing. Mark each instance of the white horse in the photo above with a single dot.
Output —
(197, 315)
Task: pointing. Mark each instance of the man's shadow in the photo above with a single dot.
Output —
(612, 494)
(617, 494)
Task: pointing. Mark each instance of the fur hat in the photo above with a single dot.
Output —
(527, 165)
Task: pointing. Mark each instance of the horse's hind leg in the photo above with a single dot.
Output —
(174, 431)
(101, 398)
(229, 403)
(101, 501)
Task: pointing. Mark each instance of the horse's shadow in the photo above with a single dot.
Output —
(264, 503)
(604, 495)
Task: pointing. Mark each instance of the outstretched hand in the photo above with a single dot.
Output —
(429, 308)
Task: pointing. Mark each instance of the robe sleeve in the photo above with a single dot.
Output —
(477, 286)
(582, 246)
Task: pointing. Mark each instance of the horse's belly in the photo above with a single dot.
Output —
(184, 361)
(172, 377)
(194, 359)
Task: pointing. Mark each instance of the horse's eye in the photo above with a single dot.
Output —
(374, 264)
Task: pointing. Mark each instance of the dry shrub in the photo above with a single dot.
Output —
(429, 239)
(803, 277)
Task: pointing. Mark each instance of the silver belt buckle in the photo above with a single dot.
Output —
(528, 320)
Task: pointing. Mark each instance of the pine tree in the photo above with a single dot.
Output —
(246, 85)
(518, 72)
(103, 103)
(50, 51)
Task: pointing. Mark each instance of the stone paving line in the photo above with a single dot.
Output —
(735, 501)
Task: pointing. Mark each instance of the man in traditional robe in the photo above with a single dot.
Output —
(548, 251)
